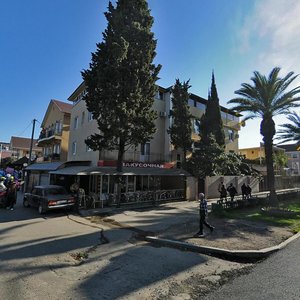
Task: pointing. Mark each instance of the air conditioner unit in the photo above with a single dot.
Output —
(162, 114)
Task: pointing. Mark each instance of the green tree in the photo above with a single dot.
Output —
(266, 98)
(120, 81)
(180, 130)
(280, 160)
(290, 132)
(206, 158)
(211, 121)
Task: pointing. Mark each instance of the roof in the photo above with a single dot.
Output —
(81, 170)
(21, 161)
(290, 147)
(74, 170)
(23, 143)
(44, 166)
(63, 106)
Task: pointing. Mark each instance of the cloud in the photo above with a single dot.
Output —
(271, 31)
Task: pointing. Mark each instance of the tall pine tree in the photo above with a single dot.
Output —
(120, 81)
(211, 121)
(180, 130)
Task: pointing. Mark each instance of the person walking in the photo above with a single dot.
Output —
(223, 193)
(11, 195)
(244, 191)
(203, 212)
(232, 191)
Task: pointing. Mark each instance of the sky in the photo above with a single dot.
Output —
(46, 44)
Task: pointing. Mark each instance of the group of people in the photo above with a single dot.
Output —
(8, 191)
(231, 191)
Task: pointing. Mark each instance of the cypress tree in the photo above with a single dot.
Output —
(120, 81)
(211, 121)
(180, 130)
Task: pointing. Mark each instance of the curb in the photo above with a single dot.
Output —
(219, 252)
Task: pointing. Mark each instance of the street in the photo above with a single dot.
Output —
(36, 261)
(275, 278)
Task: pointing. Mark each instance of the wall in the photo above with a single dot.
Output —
(212, 183)
(85, 129)
(281, 182)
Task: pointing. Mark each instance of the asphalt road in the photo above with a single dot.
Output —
(36, 261)
(278, 277)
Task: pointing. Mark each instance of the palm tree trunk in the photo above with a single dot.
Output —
(270, 173)
(267, 129)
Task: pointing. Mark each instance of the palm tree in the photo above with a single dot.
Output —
(266, 98)
(290, 132)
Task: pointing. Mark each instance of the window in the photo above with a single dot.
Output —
(90, 116)
(201, 106)
(87, 148)
(145, 149)
(191, 102)
(74, 145)
(82, 117)
(295, 155)
(230, 135)
(56, 149)
(76, 122)
(196, 126)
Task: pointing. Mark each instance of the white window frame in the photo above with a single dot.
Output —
(74, 148)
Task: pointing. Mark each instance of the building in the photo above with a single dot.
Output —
(20, 147)
(150, 172)
(257, 156)
(159, 149)
(54, 135)
(293, 154)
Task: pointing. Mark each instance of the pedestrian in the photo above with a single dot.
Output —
(244, 191)
(223, 193)
(203, 212)
(11, 195)
(232, 191)
(248, 191)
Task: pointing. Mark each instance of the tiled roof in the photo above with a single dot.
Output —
(23, 143)
(63, 107)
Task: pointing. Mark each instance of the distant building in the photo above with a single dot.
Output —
(4, 151)
(20, 147)
(54, 136)
(293, 154)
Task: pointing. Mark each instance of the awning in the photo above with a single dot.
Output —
(127, 171)
(50, 166)
(75, 170)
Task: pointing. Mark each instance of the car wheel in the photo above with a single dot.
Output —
(40, 209)
(26, 203)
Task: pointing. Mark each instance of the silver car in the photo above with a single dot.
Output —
(48, 197)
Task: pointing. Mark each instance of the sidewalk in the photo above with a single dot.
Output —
(152, 222)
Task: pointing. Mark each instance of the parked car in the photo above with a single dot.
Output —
(48, 197)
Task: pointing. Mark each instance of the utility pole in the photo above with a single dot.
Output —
(26, 181)
(31, 142)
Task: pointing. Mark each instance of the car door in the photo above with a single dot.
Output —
(35, 197)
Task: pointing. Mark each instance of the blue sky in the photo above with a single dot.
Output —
(45, 45)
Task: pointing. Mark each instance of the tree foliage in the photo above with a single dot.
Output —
(211, 121)
(180, 130)
(205, 160)
(265, 98)
(120, 81)
(290, 132)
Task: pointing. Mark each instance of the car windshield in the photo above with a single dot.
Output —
(56, 191)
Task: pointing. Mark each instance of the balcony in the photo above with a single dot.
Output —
(49, 137)
(49, 158)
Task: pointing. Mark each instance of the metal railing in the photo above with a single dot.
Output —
(97, 201)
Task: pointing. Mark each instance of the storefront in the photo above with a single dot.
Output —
(104, 186)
